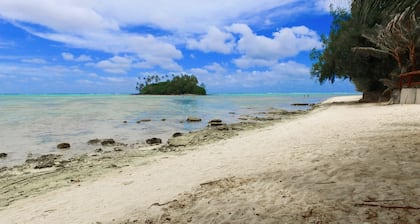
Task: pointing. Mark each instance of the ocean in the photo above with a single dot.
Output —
(35, 124)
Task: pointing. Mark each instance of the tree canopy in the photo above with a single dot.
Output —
(176, 85)
(375, 39)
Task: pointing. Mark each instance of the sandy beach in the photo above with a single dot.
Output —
(339, 163)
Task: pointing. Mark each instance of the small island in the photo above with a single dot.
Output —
(176, 85)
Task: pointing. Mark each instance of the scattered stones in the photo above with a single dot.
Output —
(63, 145)
(215, 122)
(193, 119)
(3, 155)
(103, 142)
(44, 161)
(143, 120)
(106, 142)
(154, 141)
(176, 134)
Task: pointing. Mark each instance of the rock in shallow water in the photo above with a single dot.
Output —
(108, 141)
(193, 119)
(215, 122)
(3, 155)
(63, 145)
(154, 141)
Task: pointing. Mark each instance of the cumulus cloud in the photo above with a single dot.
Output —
(100, 25)
(70, 57)
(214, 41)
(116, 65)
(277, 74)
(260, 50)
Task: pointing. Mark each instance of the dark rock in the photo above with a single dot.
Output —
(118, 149)
(215, 122)
(63, 146)
(143, 120)
(154, 141)
(163, 119)
(193, 119)
(94, 141)
(302, 104)
(176, 134)
(125, 122)
(98, 150)
(108, 141)
(3, 155)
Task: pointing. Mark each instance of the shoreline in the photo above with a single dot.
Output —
(78, 119)
(325, 166)
(35, 174)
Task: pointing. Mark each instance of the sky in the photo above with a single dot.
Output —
(104, 46)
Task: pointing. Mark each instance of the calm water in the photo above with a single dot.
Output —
(37, 123)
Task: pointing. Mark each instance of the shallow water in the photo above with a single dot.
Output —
(37, 123)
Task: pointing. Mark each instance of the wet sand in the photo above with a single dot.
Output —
(345, 163)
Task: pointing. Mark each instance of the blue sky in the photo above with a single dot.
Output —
(94, 46)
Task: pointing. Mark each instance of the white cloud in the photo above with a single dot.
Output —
(215, 67)
(277, 74)
(70, 57)
(34, 61)
(260, 50)
(100, 25)
(214, 41)
(116, 65)
(67, 56)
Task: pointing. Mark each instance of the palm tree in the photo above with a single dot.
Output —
(399, 36)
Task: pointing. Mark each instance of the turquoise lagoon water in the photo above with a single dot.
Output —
(37, 123)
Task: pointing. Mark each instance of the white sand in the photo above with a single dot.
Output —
(343, 163)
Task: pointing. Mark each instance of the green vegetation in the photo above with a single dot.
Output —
(178, 85)
(370, 45)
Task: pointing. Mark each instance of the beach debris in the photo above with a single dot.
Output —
(143, 120)
(154, 141)
(3, 155)
(177, 134)
(193, 119)
(215, 122)
(63, 145)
